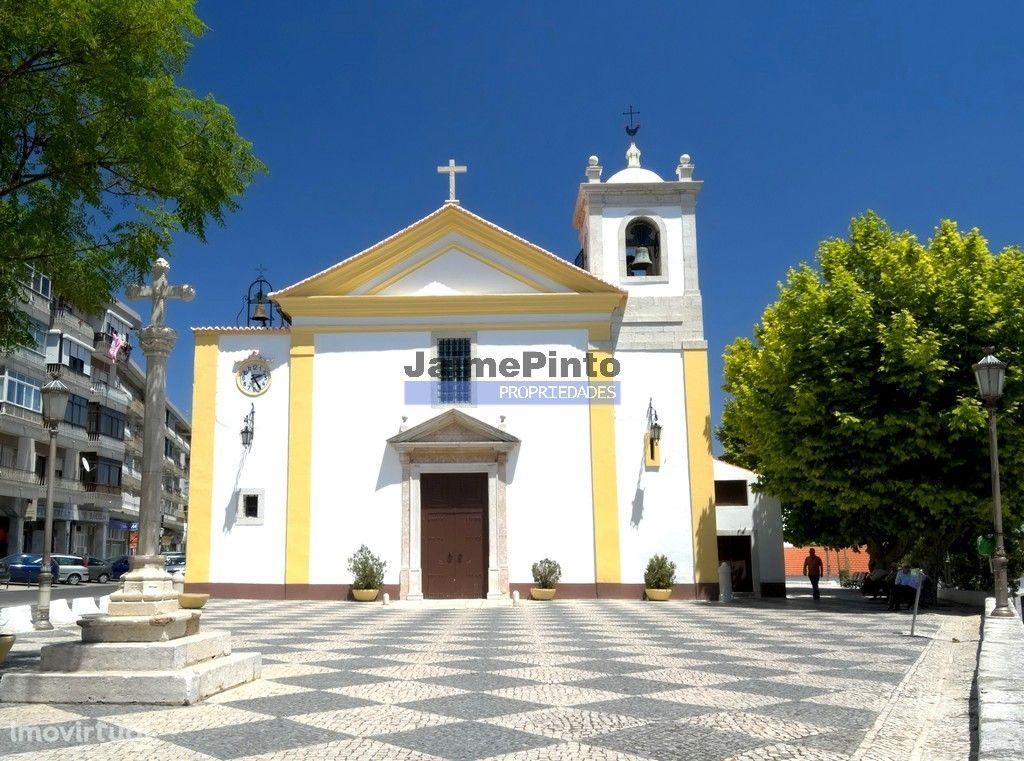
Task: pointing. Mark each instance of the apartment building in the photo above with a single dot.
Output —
(99, 444)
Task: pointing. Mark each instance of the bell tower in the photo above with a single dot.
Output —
(639, 232)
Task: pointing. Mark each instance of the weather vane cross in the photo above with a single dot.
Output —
(451, 170)
(632, 130)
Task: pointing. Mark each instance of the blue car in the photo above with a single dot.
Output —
(119, 566)
(25, 568)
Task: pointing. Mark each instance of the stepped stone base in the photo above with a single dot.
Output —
(177, 672)
(142, 628)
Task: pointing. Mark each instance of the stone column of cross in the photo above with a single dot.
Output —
(156, 340)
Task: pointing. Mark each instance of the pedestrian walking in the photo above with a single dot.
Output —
(812, 570)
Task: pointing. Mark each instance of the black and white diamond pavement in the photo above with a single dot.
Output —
(565, 680)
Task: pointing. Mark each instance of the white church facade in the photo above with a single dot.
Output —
(568, 414)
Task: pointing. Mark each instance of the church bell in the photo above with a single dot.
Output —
(642, 260)
(259, 312)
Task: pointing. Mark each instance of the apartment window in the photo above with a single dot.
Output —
(106, 422)
(77, 411)
(23, 391)
(37, 281)
(77, 357)
(115, 324)
(454, 368)
(730, 493)
(102, 471)
(250, 507)
(38, 332)
(169, 450)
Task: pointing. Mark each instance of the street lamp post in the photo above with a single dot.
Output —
(55, 401)
(990, 374)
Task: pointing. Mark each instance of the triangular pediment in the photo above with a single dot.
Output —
(450, 254)
(453, 427)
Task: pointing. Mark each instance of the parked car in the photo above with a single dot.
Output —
(174, 562)
(25, 568)
(72, 569)
(99, 570)
(118, 566)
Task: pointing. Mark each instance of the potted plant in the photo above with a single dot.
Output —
(546, 574)
(659, 578)
(367, 574)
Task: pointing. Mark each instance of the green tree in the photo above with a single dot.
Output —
(855, 401)
(103, 156)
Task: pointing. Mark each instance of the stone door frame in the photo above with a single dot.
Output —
(411, 578)
(454, 442)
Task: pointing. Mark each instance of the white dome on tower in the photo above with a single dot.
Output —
(635, 174)
(633, 171)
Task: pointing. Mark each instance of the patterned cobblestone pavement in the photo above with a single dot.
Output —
(608, 680)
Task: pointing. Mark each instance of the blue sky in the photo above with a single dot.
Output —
(797, 115)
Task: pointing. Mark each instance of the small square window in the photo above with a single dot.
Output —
(250, 507)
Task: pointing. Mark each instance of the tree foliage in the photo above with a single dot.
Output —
(103, 156)
(856, 403)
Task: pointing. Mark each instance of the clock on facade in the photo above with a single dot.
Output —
(253, 376)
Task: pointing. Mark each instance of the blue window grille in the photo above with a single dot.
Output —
(453, 384)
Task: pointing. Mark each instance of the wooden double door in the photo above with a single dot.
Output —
(453, 530)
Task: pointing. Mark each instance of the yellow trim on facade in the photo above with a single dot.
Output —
(595, 329)
(507, 271)
(300, 450)
(361, 269)
(604, 482)
(427, 306)
(200, 500)
(701, 466)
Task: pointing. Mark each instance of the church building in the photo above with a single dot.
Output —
(466, 403)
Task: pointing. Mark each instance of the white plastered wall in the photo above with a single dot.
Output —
(250, 554)
(654, 503)
(358, 398)
(761, 519)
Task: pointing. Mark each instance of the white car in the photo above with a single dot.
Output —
(72, 569)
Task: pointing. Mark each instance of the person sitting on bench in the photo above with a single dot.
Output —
(874, 582)
(904, 589)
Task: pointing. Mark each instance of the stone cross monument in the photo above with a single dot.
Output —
(145, 648)
(157, 340)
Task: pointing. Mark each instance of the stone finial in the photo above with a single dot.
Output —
(685, 169)
(632, 156)
(501, 423)
(402, 427)
(593, 169)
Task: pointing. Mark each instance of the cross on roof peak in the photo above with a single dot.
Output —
(451, 170)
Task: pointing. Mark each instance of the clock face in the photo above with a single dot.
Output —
(254, 377)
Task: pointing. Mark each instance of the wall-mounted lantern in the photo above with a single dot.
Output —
(249, 427)
(652, 438)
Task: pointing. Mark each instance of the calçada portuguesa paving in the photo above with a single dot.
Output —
(792, 679)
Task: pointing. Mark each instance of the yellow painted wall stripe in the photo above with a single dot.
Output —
(200, 500)
(607, 566)
(300, 447)
(702, 472)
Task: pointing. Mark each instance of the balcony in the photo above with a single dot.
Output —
(28, 483)
(63, 316)
(136, 408)
(113, 398)
(101, 343)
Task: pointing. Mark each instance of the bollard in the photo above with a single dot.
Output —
(386, 598)
(725, 582)
(515, 597)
